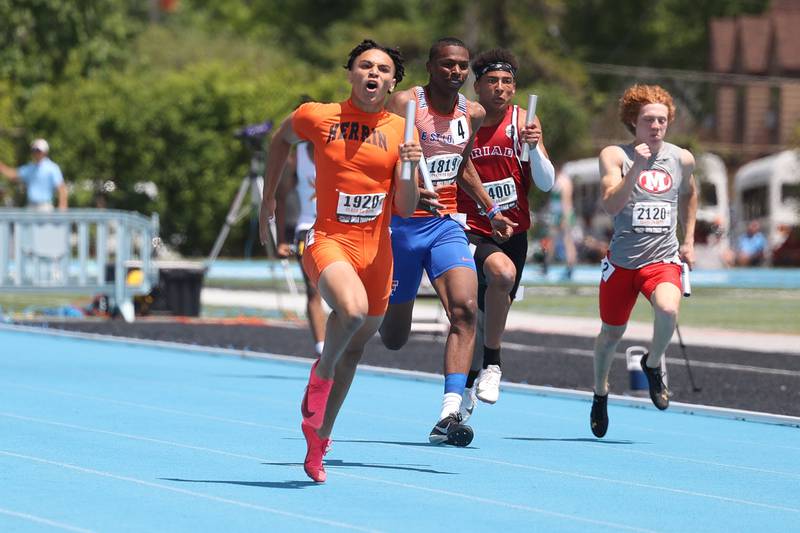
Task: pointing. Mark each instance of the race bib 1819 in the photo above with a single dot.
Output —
(443, 168)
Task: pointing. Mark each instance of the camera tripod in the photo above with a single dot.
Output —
(254, 184)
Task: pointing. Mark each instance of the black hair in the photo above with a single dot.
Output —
(369, 44)
(493, 56)
(441, 43)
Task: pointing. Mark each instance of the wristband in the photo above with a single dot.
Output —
(491, 213)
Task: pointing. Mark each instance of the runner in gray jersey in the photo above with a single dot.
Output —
(648, 187)
(645, 229)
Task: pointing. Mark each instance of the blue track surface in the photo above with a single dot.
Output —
(108, 436)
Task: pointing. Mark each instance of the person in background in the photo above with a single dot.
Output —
(303, 180)
(563, 222)
(42, 178)
(751, 246)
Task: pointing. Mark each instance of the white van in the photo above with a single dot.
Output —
(768, 190)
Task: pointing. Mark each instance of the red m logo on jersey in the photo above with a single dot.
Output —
(655, 181)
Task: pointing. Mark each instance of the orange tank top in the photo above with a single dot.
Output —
(443, 139)
(355, 155)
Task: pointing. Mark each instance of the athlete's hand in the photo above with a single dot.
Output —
(410, 151)
(429, 201)
(641, 155)
(265, 216)
(531, 134)
(687, 254)
(502, 227)
(284, 250)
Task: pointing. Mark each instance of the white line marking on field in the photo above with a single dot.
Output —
(43, 521)
(195, 494)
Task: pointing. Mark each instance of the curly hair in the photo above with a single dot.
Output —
(433, 53)
(489, 57)
(394, 53)
(638, 96)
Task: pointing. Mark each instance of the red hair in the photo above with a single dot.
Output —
(639, 96)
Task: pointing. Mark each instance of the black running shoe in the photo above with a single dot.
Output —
(599, 416)
(450, 430)
(655, 380)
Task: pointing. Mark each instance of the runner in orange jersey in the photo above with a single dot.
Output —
(359, 148)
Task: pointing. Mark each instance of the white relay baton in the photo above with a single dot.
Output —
(427, 182)
(687, 285)
(528, 121)
(411, 110)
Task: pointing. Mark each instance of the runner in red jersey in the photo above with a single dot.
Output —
(358, 147)
(496, 156)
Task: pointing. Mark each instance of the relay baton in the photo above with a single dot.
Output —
(528, 121)
(426, 174)
(687, 285)
(411, 109)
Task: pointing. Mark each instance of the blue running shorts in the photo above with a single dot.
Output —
(433, 243)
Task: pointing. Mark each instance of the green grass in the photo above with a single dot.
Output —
(762, 310)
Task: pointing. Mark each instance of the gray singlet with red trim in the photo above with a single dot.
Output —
(645, 229)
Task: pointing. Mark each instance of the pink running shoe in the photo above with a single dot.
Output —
(317, 448)
(315, 399)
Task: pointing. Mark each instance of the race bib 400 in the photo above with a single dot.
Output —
(359, 208)
(502, 192)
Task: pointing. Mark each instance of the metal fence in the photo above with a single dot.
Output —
(77, 250)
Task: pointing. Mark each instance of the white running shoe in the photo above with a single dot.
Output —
(488, 384)
(468, 403)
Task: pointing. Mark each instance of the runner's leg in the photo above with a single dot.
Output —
(666, 301)
(346, 370)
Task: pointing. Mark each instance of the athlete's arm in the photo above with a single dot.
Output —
(687, 207)
(281, 143)
(615, 188)
(428, 200)
(406, 194)
(469, 180)
(285, 186)
(542, 170)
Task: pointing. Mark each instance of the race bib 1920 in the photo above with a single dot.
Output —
(359, 208)
(651, 217)
(443, 168)
(502, 192)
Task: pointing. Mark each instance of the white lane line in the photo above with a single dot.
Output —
(149, 407)
(606, 480)
(694, 409)
(479, 499)
(186, 492)
(415, 422)
(671, 360)
(43, 521)
(130, 436)
(334, 472)
(460, 456)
